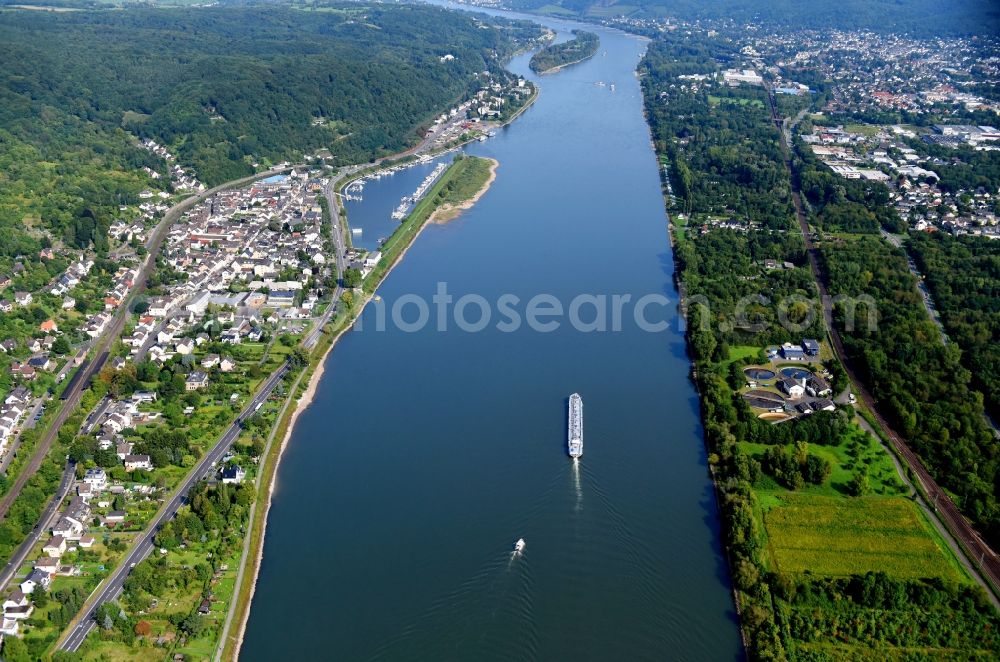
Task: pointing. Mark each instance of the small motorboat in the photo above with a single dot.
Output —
(519, 546)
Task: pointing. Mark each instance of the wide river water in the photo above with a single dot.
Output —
(427, 453)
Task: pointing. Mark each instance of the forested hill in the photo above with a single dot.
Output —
(925, 17)
(221, 87)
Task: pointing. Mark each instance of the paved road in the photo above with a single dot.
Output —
(143, 546)
(112, 586)
(925, 294)
(69, 474)
(29, 422)
(975, 548)
(20, 555)
(337, 232)
(95, 416)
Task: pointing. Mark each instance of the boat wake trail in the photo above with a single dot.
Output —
(475, 619)
(577, 485)
(625, 543)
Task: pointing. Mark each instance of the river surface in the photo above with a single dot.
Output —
(426, 454)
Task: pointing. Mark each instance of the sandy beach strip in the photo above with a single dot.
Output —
(449, 212)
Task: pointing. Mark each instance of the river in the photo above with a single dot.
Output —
(427, 453)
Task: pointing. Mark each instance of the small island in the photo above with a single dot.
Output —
(553, 58)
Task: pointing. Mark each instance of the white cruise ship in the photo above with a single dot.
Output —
(574, 432)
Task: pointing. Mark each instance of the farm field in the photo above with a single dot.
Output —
(839, 537)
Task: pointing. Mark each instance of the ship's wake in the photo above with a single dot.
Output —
(577, 485)
(474, 620)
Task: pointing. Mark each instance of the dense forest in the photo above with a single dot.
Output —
(724, 153)
(963, 274)
(223, 88)
(725, 164)
(925, 17)
(582, 46)
(919, 383)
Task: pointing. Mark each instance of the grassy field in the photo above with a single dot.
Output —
(821, 530)
(857, 451)
(680, 223)
(471, 174)
(715, 101)
(740, 352)
(827, 536)
(864, 129)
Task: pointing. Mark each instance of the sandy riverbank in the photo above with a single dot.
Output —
(449, 212)
(560, 67)
(301, 405)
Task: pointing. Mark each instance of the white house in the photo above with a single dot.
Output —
(233, 475)
(195, 381)
(96, 478)
(47, 564)
(35, 579)
(136, 462)
(9, 627)
(792, 388)
(55, 547)
(68, 528)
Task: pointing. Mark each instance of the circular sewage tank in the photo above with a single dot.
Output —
(795, 373)
(759, 374)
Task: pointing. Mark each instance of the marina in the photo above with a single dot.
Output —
(373, 215)
(408, 201)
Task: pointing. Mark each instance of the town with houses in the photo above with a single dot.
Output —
(238, 279)
(245, 272)
(237, 274)
(880, 91)
(891, 156)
